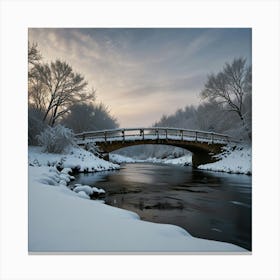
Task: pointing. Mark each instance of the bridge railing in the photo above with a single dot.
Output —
(153, 133)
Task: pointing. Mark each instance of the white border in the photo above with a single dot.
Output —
(262, 16)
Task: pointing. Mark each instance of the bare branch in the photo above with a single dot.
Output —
(229, 86)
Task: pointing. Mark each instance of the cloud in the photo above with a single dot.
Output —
(191, 83)
(142, 73)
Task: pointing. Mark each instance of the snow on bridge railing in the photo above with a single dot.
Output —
(160, 133)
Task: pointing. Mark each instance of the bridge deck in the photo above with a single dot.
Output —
(203, 145)
(132, 138)
(154, 133)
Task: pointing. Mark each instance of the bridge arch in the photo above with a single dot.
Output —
(203, 145)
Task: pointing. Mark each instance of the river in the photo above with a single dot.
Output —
(210, 205)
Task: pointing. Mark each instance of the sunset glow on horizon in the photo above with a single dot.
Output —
(143, 73)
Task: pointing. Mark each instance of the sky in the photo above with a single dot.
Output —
(143, 73)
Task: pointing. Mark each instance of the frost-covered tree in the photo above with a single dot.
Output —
(62, 88)
(35, 125)
(56, 139)
(230, 86)
(211, 116)
(85, 117)
(182, 118)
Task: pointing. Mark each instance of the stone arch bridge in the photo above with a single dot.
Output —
(203, 145)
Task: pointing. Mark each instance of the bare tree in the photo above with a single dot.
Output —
(63, 88)
(34, 55)
(37, 97)
(35, 86)
(230, 86)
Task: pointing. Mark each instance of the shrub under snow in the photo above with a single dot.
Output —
(56, 139)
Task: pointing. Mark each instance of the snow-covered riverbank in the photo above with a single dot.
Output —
(184, 160)
(76, 158)
(63, 220)
(232, 160)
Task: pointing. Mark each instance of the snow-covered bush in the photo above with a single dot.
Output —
(93, 148)
(56, 139)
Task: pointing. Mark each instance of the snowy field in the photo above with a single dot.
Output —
(64, 220)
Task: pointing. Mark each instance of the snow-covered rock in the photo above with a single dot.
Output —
(84, 188)
(87, 189)
(65, 177)
(91, 192)
(83, 194)
(63, 182)
(66, 170)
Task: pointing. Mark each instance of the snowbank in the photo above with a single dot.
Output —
(77, 158)
(184, 160)
(116, 158)
(61, 220)
(236, 159)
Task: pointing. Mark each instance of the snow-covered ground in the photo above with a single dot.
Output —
(63, 220)
(232, 160)
(116, 158)
(76, 158)
(184, 160)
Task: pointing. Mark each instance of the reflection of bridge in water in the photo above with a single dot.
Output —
(203, 145)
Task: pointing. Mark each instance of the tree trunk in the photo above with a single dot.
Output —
(244, 125)
(52, 121)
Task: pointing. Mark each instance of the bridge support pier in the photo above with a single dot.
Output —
(201, 158)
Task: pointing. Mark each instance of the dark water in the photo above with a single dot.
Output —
(210, 205)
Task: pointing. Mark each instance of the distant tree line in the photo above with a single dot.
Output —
(227, 106)
(59, 95)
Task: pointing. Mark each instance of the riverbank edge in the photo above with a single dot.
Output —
(235, 159)
(48, 222)
(53, 178)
